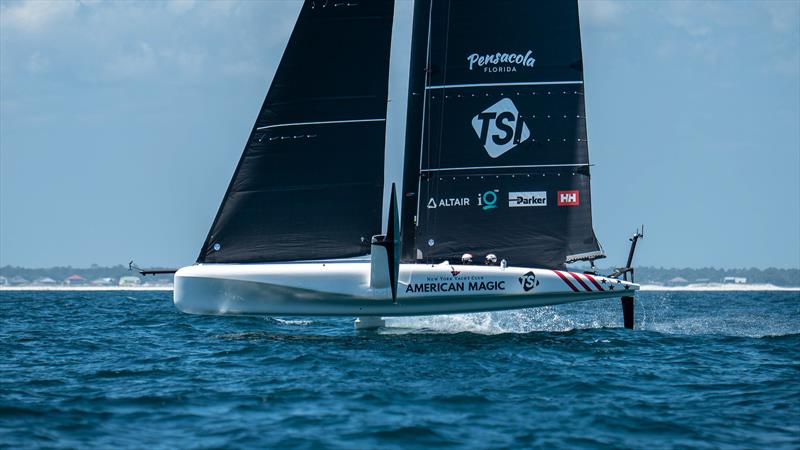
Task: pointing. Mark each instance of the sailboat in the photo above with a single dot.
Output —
(494, 199)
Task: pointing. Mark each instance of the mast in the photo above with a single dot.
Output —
(310, 180)
(418, 80)
(496, 152)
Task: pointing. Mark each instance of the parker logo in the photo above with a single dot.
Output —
(527, 199)
(569, 198)
(528, 281)
(500, 128)
(447, 202)
(501, 62)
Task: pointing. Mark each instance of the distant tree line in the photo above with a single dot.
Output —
(61, 272)
(778, 277)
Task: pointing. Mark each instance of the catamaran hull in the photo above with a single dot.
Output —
(343, 289)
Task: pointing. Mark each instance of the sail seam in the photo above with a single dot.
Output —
(526, 83)
(329, 122)
(531, 166)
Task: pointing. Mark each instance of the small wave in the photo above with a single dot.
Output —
(461, 399)
(522, 321)
(244, 335)
(289, 322)
(118, 373)
(404, 432)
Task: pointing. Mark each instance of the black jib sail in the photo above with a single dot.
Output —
(497, 158)
(309, 183)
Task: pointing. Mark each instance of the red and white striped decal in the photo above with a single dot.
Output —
(580, 281)
(566, 280)
(585, 286)
(594, 282)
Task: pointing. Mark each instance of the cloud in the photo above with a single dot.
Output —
(784, 15)
(180, 6)
(690, 17)
(34, 15)
(36, 63)
(242, 67)
(133, 62)
(603, 12)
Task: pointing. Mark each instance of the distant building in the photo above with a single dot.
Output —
(45, 281)
(130, 281)
(162, 282)
(678, 281)
(734, 280)
(18, 280)
(703, 280)
(75, 280)
(106, 281)
(3, 281)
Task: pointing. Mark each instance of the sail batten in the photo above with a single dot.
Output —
(523, 83)
(492, 168)
(327, 122)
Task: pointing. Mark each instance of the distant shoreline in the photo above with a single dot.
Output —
(85, 288)
(720, 287)
(710, 287)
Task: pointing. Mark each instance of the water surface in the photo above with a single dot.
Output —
(109, 369)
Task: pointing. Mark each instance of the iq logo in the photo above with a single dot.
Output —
(569, 198)
(500, 128)
(488, 200)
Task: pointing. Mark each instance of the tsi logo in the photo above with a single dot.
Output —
(500, 128)
(528, 281)
(569, 198)
(523, 199)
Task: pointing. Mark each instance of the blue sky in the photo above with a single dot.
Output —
(121, 124)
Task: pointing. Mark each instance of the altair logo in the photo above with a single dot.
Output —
(447, 202)
(500, 128)
(501, 62)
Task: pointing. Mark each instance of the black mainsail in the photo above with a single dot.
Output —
(309, 183)
(496, 152)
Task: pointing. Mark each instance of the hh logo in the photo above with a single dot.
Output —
(500, 128)
(569, 198)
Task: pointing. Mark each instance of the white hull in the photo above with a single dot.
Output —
(343, 289)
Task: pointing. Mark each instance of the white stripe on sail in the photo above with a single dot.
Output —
(318, 123)
(527, 83)
(443, 169)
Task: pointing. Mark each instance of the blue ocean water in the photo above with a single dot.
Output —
(126, 369)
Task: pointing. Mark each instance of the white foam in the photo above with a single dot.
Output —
(521, 321)
(291, 322)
